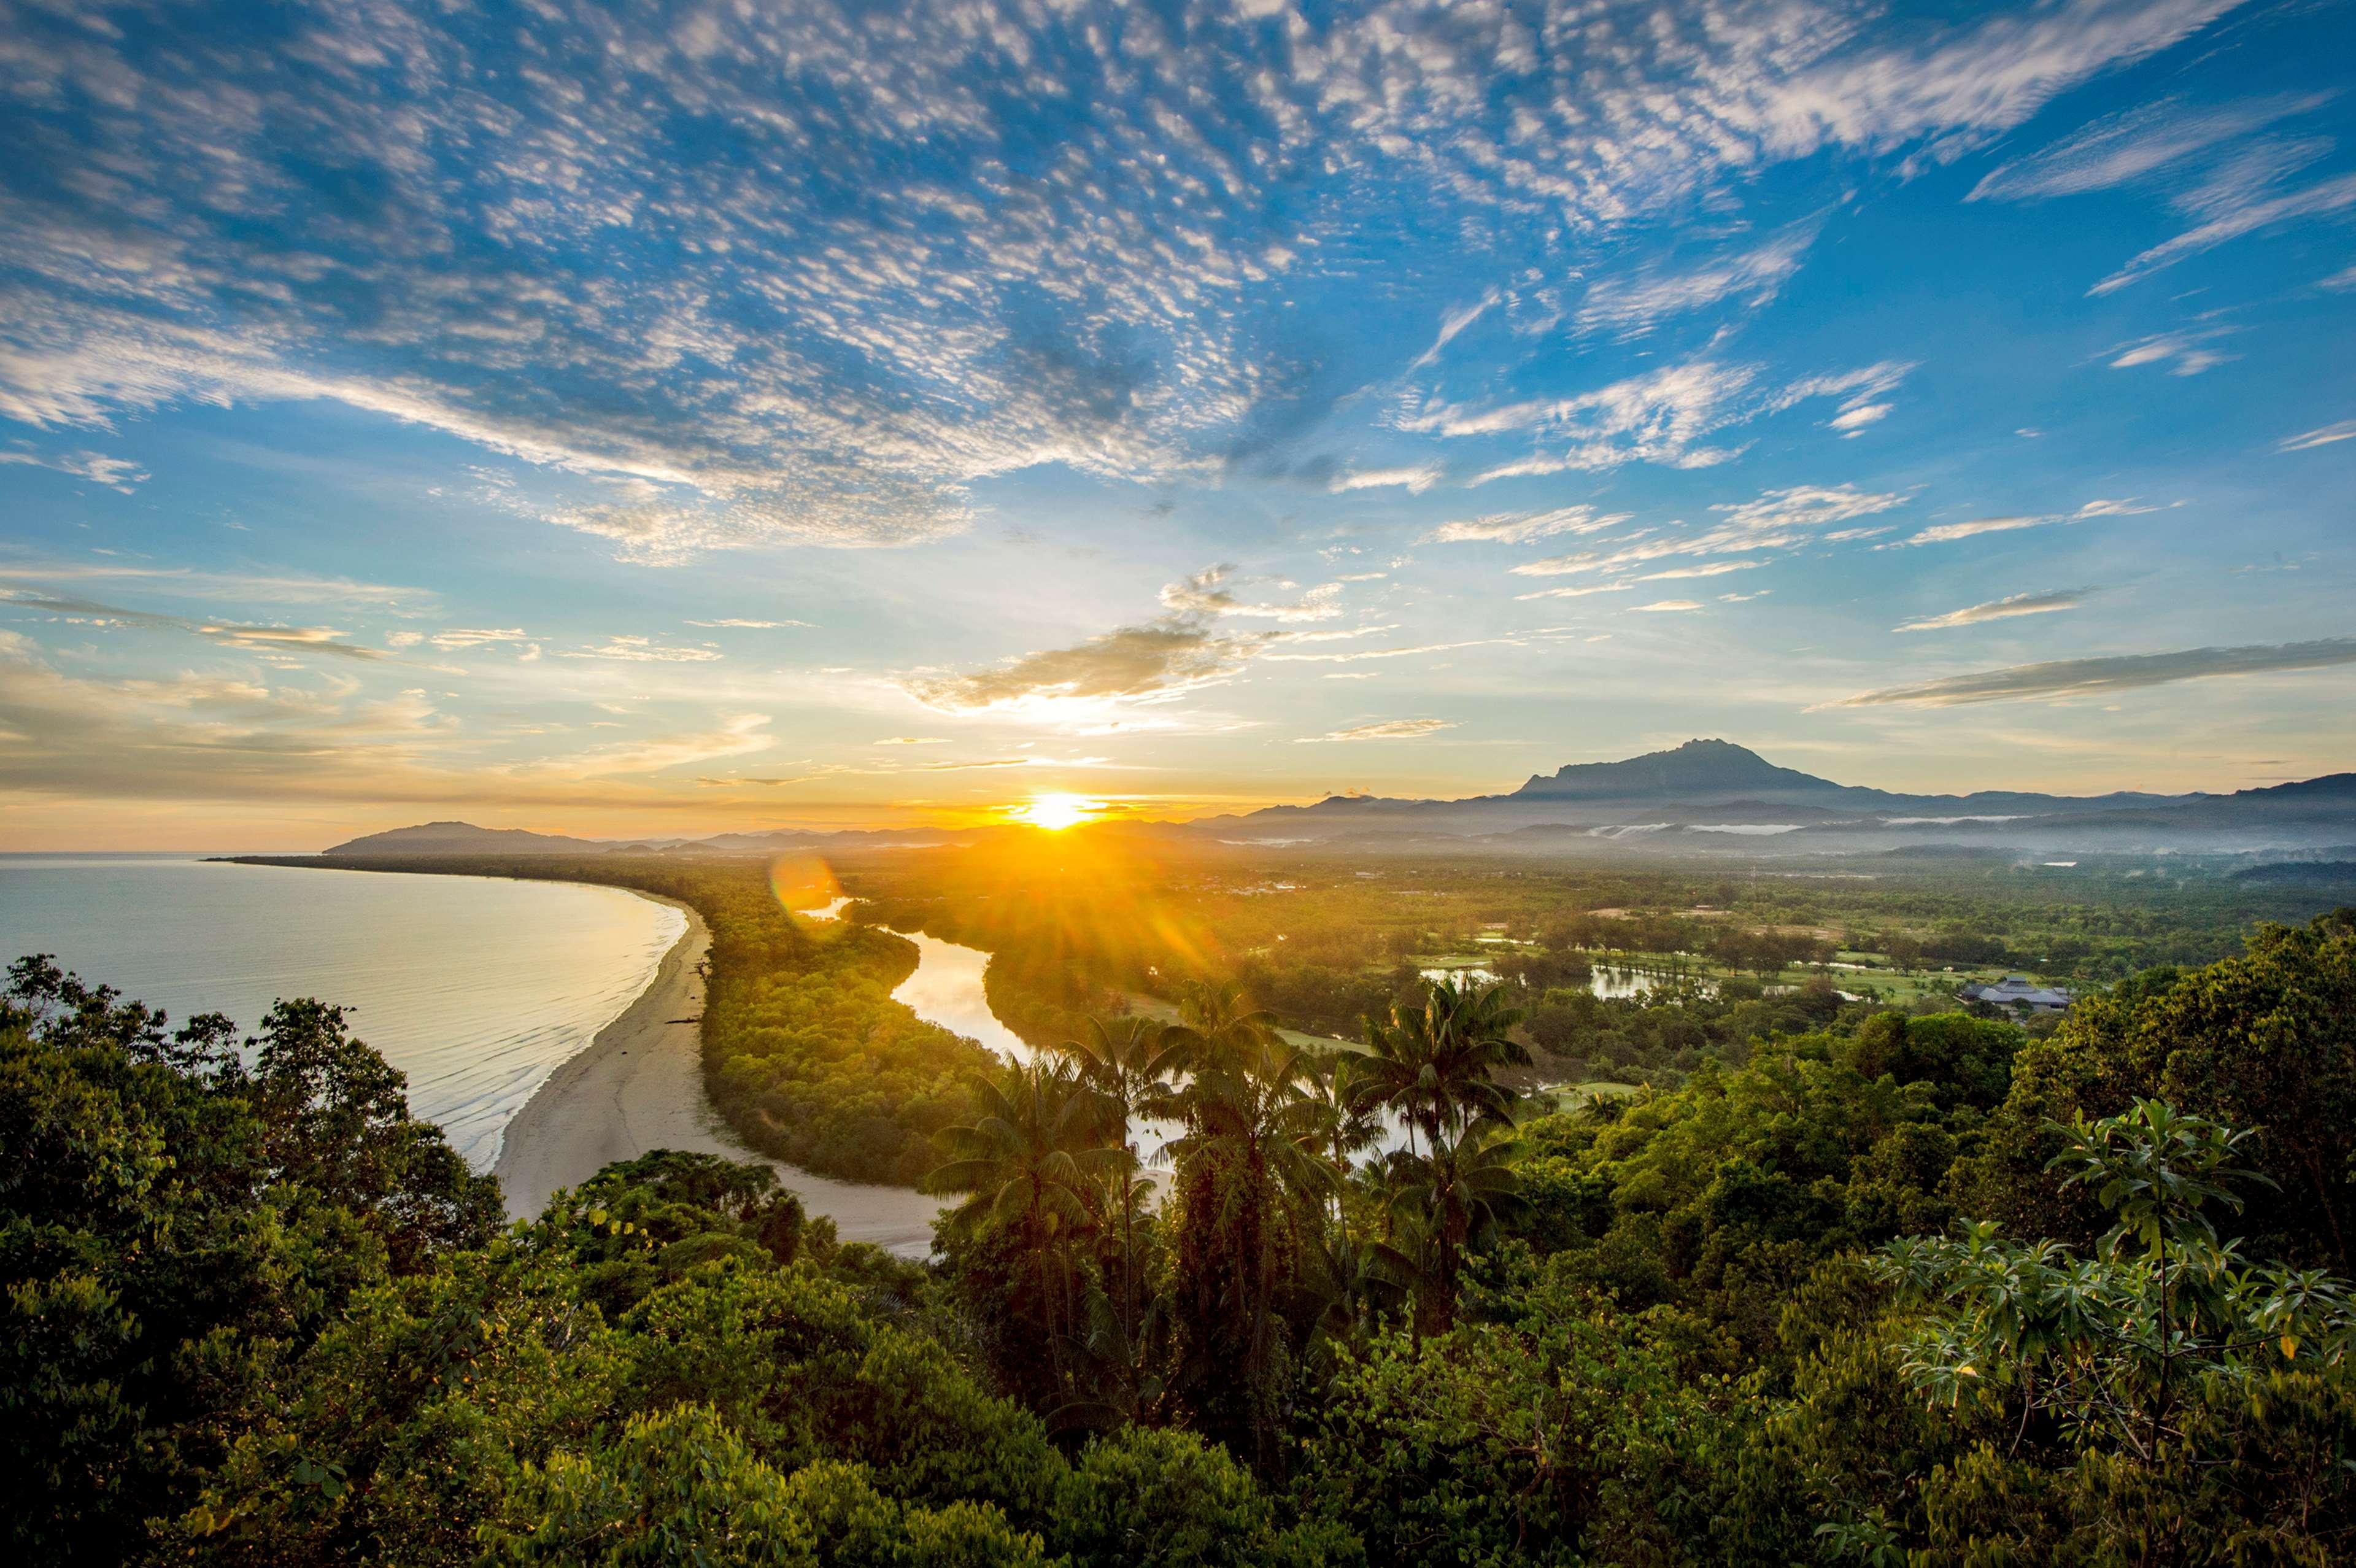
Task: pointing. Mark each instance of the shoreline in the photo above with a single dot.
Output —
(639, 1086)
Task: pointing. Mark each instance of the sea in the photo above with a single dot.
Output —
(476, 988)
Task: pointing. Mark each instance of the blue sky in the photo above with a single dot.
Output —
(653, 419)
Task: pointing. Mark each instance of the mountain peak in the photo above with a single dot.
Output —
(1698, 768)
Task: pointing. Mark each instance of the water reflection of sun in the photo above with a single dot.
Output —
(1056, 812)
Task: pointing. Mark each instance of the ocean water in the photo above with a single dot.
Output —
(476, 988)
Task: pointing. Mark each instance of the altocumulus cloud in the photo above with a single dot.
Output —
(2089, 676)
(947, 240)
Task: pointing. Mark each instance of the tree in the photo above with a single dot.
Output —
(1034, 1165)
(2166, 1377)
(1452, 1200)
(1249, 1181)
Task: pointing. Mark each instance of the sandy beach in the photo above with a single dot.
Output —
(639, 1086)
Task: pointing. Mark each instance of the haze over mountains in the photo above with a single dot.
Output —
(1704, 798)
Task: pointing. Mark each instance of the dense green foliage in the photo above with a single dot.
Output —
(177, 1228)
(1867, 1286)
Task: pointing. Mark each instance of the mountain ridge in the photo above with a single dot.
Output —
(1703, 796)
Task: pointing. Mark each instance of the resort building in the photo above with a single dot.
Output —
(2017, 991)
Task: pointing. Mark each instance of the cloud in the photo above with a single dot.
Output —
(1632, 305)
(914, 740)
(1521, 527)
(114, 473)
(181, 581)
(1152, 662)
(251, 639)
(2089, 677)
(1668, 607)
(1388, 729)
(2128, 147)
(643, 650)
(2184, 348)
(452, 639)
(2323, 436)
(746, 624)
(1775, 520)
(1578, 592)
(1666, 417)
(1415, 479)
(738, 276)
(1948, 533)
(1451, 324)
(1205, 594)
(2001, 609)
(739, 736)
(1714, 569)
(1361, 655)
(2246, 213)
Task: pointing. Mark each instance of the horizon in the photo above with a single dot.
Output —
(646, 427)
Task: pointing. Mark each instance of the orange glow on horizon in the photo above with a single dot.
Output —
(1056, 812)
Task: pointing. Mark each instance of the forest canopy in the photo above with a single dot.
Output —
(1900, 1287)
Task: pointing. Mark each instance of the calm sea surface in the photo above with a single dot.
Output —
(476, 988)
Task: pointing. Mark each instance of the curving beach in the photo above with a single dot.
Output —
(639, 1086)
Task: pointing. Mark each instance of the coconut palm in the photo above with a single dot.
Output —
(1435, 1061)
(1034, 1163)
(1250, 1175)
(1119, 1063)
(1450, 1202)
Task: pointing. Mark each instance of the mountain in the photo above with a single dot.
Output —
(1705, 797)
(1709, 797)
(1696, 772)
(464, 838)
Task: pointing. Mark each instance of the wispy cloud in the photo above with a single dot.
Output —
(114, 473)
(1414, 478)
(2133, 145)
(1521, 527)
(2091, 677)
(1207, 594)
(2323, 436)
(2187, 350)
(1668, 607)
(1775, 519)
(306, 639)
(1667, 416)
(1632, 305)
(2247, 213)
(1388, 729)
(2005, 608)
(736, 624)
(643, 651)
(1948, 533)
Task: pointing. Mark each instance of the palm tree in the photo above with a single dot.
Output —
(1249, 1156)
(1453, 1201)
(1435, 1063)
(1119, 1063)
(1033, 1162)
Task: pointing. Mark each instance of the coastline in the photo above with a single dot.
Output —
(639, 1086)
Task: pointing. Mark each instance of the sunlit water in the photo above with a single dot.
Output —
(476, 988)
(947, 989)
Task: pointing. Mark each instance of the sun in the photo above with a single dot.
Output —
(1056, 812)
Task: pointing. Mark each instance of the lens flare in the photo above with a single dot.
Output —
(803, 882)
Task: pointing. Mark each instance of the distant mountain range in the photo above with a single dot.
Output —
(1704, 798)
(1712, 795)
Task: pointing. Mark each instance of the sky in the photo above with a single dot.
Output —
(644, 420)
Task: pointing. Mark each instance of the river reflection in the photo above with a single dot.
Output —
(947, 989)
